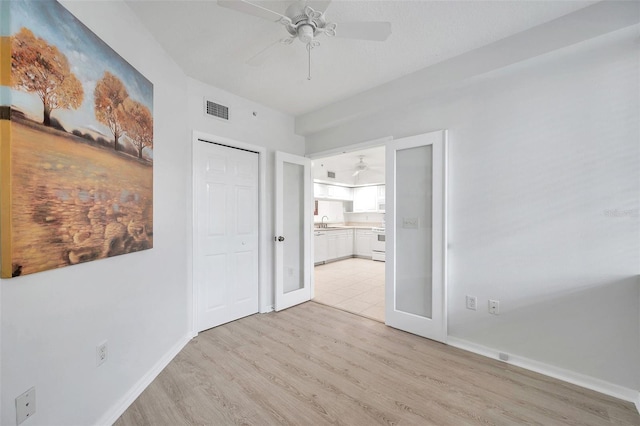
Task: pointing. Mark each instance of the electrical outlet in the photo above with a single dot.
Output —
(25, 405)
(494, 307)
(472, 302)
(101, 353)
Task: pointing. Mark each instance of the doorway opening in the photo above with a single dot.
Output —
(349, 231)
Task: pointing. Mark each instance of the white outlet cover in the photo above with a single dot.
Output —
(472, 302)
(25, 405)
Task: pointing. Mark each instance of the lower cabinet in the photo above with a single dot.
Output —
(319, 247)
(333, 244)
(362, 246)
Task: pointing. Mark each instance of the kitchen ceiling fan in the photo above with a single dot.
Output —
(361, 166)
(305, 23)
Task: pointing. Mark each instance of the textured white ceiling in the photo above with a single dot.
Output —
(212, 43)
(343, 165)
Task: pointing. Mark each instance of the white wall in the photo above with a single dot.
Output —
(334, 210)
(52, 321)
(376, 219)
(268, 128)
(542, 154)
(140, 303)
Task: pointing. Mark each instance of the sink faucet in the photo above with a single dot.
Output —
(322, 224)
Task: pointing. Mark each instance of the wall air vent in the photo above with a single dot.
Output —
(217, 110)
(331, 175)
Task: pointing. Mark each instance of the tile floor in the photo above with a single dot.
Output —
(353, 285)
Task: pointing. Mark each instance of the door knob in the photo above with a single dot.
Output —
(280, 238)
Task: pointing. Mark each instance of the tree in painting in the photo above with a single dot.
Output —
(110, 95)
(40, 68)
(139, 125)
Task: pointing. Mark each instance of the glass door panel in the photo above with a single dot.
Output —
(293, 225)
(414, 230)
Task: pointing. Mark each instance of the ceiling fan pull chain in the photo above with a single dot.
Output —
(309, 47)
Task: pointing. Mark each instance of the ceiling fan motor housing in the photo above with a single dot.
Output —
(304, 21)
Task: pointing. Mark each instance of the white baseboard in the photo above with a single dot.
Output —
(569, 376)
(110, 417)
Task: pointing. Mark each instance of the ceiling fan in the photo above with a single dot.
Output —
(304, 23)
(361, 166)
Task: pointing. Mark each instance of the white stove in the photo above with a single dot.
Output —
(377, 245)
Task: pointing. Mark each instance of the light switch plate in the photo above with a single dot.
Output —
(25, 405)
(410, 222)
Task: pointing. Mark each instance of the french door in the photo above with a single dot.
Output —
(293, 214)
(415, 282)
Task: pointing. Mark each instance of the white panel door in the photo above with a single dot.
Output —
(294, 226)
(225, 233)
(415, 296)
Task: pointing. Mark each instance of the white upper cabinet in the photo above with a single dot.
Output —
(332, 192)
(365, 199)
(319, 190)
(381, 198)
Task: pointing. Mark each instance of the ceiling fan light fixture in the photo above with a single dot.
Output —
(305, 33)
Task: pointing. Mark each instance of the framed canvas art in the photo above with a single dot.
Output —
(76, 147)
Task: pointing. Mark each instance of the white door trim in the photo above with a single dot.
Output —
(349, 148)
(264, 236)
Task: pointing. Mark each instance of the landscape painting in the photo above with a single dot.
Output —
(77, 158)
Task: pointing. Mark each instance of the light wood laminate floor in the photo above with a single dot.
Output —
(316, 365)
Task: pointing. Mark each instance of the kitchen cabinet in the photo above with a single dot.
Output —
(319, 190)
(362, 242)
(365, 199)
(319, 246)
(381, 198)
(345, 243)
(333, 244)
(332, 192)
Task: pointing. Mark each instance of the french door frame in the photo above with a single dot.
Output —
(383, 142)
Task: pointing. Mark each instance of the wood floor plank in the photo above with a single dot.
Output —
(553, 408)
(315, 365)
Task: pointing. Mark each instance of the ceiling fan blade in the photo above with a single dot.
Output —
(319, 5)
(260, 57)
(375, 31)
(253, 9)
